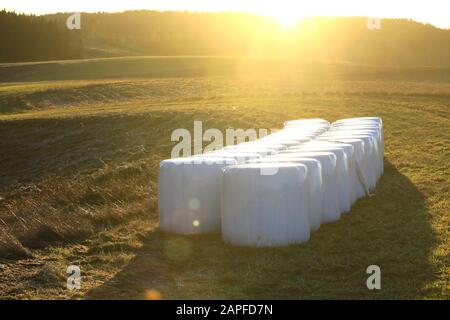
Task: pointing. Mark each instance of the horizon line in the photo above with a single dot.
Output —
(223, 11)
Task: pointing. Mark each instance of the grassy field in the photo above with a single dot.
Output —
(80, 148)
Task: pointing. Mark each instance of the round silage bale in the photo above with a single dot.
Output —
(238, 155)
(331, 204)
(189, 194)
(361, 120)
(351, 178)
(376, 133)
(343, 178)
(358, 157)
(314, 179)
(370, 164)
(265, 210)
(307, 122)
(344, 154)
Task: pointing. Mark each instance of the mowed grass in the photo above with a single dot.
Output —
(80, 158)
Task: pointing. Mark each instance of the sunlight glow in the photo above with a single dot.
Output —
(286, 17)
(286, 11)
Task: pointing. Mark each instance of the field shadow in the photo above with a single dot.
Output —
(390, 230)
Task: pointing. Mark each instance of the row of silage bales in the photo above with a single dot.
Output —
(276, 190)
(189, 188)
(343, 151)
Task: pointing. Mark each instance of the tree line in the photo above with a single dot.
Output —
(144, 32)
(34, 38)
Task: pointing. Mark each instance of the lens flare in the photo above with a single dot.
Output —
(153, 295)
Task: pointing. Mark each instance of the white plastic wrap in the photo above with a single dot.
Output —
(304, 122)
(286, 136)
(265, 210)
(376, 134)
(260, 150)
(372, 122)
(257, 144)
(358, 155)
(343, 154)
(238, 155)
(351, 165)
(314, 179)
(361, 119)
(331, 205)
(369, 165)
(189, 194)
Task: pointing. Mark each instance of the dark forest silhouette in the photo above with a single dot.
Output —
(33, 38)
(398, 42)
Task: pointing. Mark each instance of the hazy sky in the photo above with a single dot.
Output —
(436, 12)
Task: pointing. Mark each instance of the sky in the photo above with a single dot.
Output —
(436, 12)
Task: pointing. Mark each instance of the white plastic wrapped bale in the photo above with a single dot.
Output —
(345, 166)
(355, 183)
(189, 194)
(331, 205)
(300, 137)
(375, 131)
(300, 131)
(361, 185)
(314, 179)
(287, 138)
(350, 178)
(343, 178)
(288, 143)
(239, 156)
(379, 148)
(265, 210)
(260, 150)
(369, 165)
(358, 125)
(365, 121)
(304, 122)
(257, 144)
(361, 119)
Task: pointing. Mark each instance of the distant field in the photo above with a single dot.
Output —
(80, 148)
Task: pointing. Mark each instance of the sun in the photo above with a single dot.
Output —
(286, 16)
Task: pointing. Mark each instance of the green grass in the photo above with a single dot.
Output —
(81, 144)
